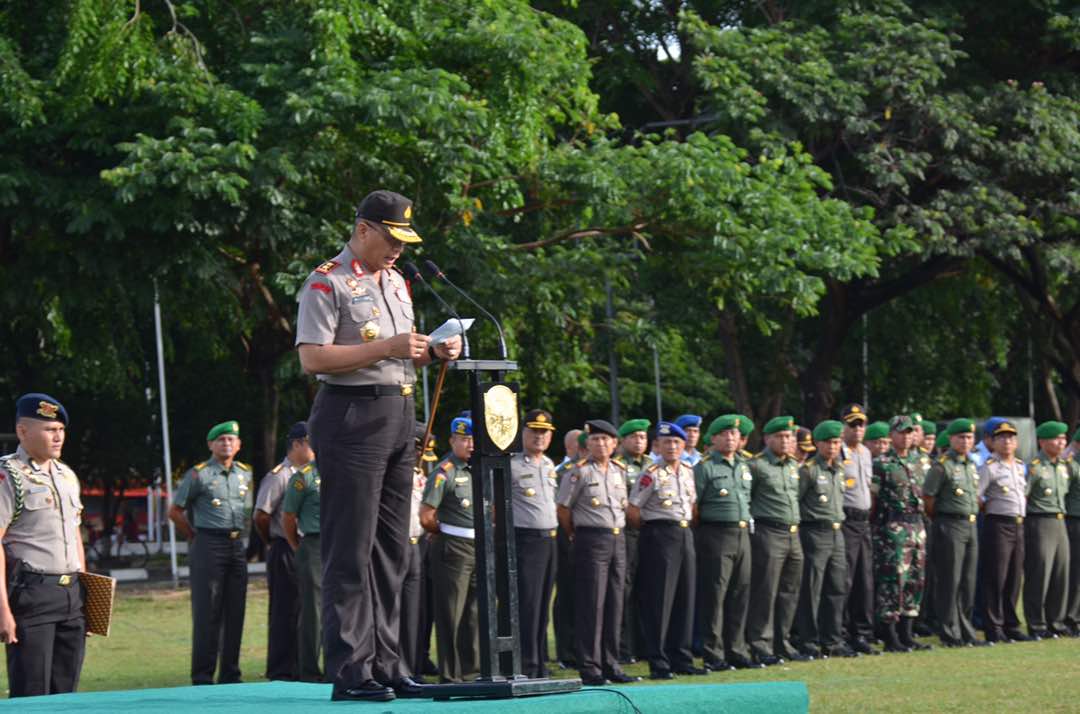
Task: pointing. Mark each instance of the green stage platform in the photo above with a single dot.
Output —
(291, 697)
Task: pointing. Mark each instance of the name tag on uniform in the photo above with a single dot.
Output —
(461, 479)
(357, 299)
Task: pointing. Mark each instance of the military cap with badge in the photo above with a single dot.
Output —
(40, 406)
(539, 419)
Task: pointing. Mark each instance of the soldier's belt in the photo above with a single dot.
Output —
(856, 514)
(314, 535)
(905, 517)
(789, 527)
(725, 524)
(668, 522)
(1058, 516)
(822, 525)
(457, 531)
(597, 529)
(538, 532)
(1006, 519)
(220, 532)
(29, 577)
(371, 390)
(969, 517)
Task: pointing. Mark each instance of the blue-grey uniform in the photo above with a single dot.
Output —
(40, 514)
(219, 499)
(302, 499)
(1001, 490)
(535, 527)
(281, 655)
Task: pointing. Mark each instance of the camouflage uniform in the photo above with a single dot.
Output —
(899, 537)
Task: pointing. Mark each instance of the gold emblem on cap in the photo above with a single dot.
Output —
(408, 213)
(541, 417)
(855, 409)
(369, 331)
(47, 409)
(736, 421)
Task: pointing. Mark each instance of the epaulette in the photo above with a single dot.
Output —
(327, 267)
(652, 467)
(447, 466)
(1035, 461)
(619, 464)
(745, 454)
(243, 466)
(306, 469)
(943, 458)
(277, 469)
(925, 451)
(201, 466)
(16, 486)
(618, 460)
(582, 462)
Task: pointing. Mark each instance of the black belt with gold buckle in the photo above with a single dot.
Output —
(372, 390)
(221, 532)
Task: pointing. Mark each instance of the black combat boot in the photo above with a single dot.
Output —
(906, 638)
(892, 642)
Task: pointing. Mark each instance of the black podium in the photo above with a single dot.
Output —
(494, 406)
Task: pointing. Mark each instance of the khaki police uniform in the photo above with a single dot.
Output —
(953, 481)
(302, 499)
(362, 430)
(1046, 557)
(777, 556)
(40, 511)
(665, 493)
(723, 537)
(824, 583)
(597, 499)
(453, 569)
(858, 544)
(534, 487)
(281, 653)
(1001, 489)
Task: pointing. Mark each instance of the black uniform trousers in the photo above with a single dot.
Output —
(631, 640)
(1072, 613)
(859, 551)
(51, 630)
(565, 645)
(599, 577)
(1002, 550)
(956, 550)
(724, 574)
(412, 606)
(820, 618)
(219, 580)
(536, 556)
(775, 578)
(284, 618)
(364, 447)
(666, 591)
(427, 607)
(1046, 576)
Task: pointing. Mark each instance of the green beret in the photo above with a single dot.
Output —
(582, 438)
(942, 440)
(746, 427)
(225, 427)
(916, 418)
(634, 425)
(828, 429)
(961, 426)
(929, 427)
(1051, 430)
(723, 423)
(876, 430)
(780, 423)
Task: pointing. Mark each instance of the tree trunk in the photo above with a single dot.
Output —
(735, 370)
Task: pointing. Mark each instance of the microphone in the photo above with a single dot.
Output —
(412, 273)
(440, 275)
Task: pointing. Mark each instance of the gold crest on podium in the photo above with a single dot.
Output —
(501, 415)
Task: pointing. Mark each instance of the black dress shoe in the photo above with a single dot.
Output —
(661, 674)
(738, 662)
(812, 652)
(718, 666)
(369, 691)
(770, 660)
(800, 657)
(628, 660)
(429, 668)
(951, 643)
(408, 688)
(979, 643)
(622, 678)
(862, 646)
(566, 664)
(1043, 635)
(841, 651)
(593, 681)
(691, 670)
(1017, 636)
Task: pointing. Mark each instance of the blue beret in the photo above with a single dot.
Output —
(297, 431)
(688, 420)
(461, 426)
(36, 405)
(666, 428)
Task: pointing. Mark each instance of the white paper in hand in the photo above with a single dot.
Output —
(451, 328)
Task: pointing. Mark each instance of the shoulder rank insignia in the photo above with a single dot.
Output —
(306, 469)
(1035, 462)
(327, 267)
(447, 466)
(243, 466)
(201, 466)
(582, 462)
(277, 469)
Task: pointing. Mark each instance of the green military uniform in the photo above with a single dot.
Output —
(453, 569)
(219, 500)
(899, 545)
(820, 620)
(1046, 560)
(723, 486)
(1072, 526)
(302, 500)
(630, 644)
(777, 555)
(953, 482)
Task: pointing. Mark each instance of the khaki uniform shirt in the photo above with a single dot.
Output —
(858, 473)
(821, 490)
(1002, 487)
(449, 490)
(596, 497)
(774, 494)
(219, 498)
(302, 499)
(41, 510)
(1047, 485)
(342, 304)
(534, 490)
(272, 493)
(954, 483)
(665, 492)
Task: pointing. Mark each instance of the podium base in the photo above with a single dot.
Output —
(500, 689)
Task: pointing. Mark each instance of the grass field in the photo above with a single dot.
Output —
(150, 647)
